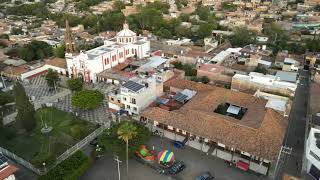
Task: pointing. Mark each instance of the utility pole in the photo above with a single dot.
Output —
(118, 161)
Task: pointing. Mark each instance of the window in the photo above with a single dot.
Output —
(124, 99)
(135, 109)
(128, 107)
(119, 101)
(112, 99)
(315, 156)
(133, 101)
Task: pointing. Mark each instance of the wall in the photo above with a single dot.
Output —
(41, 69)
(215, 76)
(251, 88)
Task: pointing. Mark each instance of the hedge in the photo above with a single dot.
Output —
(70, 169)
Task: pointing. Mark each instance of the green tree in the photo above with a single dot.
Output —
(184, 17)
(242, 36)
(59, 51)
(52, 78)
(87, 99)
(203, 12)
(4, 36)
(16, 31)
(75, 84)
(118, 5)
(25, 119)
(205, 79)
(35, 50)
(205, 30)
(126, 132)
(260, 69)
(228, 6)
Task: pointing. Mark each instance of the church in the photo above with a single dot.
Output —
(87, 64)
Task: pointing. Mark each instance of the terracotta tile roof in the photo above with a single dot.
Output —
(16, 71)
(7, 171)
(260, 132)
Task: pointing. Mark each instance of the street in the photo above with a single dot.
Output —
(196, 163)
(291, 163)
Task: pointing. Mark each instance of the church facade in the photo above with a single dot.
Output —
(87, 64)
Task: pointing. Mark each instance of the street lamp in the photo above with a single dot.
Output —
(44, 166)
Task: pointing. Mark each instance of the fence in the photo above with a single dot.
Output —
(61, 158)
(19, 160)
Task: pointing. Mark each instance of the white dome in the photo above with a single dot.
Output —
(126, 32)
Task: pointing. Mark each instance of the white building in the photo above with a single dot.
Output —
(137, 94)
(313, 153)
(88, 64)
(266, 83)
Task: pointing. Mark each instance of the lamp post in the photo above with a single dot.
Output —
(44, 167)
(118, 162)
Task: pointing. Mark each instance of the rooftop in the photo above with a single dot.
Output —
(261, 130)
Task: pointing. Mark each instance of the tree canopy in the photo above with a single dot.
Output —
(109, 139)
(26, 114)
(36, 50)
(52, 78)
(87, 99)
(75, 84)
(242, 36)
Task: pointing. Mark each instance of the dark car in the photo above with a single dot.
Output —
(205, 176)
(176, 168)
(94, 142)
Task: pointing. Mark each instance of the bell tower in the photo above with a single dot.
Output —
(68, 40)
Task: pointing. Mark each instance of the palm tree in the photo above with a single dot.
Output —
(126, 132)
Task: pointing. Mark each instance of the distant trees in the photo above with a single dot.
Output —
(35, 50)
(52, 77)
(75, 84)
(242, 36)
(36, 9)
(87, 99)
(189, 69)
(205, 29)
(25, 119)
(16, 31)
(228, 6)
(84, 5)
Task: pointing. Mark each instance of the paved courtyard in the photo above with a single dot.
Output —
(196, 163)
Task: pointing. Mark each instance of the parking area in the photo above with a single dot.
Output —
(196, 163)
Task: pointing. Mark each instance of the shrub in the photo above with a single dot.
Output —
(70, 169)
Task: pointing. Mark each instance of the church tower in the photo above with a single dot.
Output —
(68, 40)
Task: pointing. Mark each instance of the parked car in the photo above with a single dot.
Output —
(205, 176)
(176, 168)
(94, 142)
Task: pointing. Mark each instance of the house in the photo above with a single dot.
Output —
(230, 125)
(135, 95)
(6, 170)
(267, 83)
(289, 64)
(312, 153)
(88, 64)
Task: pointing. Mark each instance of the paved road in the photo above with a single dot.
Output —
(196, 163)
(295, 136)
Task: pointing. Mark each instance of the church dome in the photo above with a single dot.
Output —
(126, 35)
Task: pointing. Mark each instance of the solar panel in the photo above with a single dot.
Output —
(180, 97)
(3, 159)
(133, 86)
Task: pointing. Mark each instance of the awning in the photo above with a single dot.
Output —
(243, 165)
